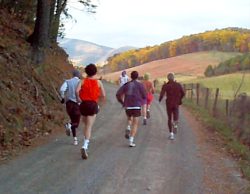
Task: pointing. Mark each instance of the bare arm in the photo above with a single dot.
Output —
(78, 88)
(103, 93)
(152, 88)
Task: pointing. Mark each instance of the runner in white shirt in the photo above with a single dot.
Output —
(123, 78)
(68, 95)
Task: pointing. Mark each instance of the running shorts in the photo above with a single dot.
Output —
(89, 108)
(133, 112)
(150, 98)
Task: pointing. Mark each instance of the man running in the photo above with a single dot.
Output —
(123, 78)
(150, 91)
(174, 93)
(133, 94)
(89, 91)
(72, 107)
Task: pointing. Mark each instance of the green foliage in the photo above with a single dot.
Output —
(238, 63)
(209, 71)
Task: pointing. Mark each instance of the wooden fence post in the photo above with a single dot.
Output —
(192, 92)
(197, 93)
(215, 102)
(206, 97)
(242, 116)
(227, 107)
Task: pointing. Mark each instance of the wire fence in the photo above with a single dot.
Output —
(234, 112)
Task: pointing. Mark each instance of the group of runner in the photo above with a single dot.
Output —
(83, 97)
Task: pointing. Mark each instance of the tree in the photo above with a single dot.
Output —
(47, 24)
(209, 71)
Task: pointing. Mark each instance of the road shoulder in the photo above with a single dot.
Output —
(221, 173)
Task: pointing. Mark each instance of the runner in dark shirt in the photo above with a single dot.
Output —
(174, 94)
(131, 95)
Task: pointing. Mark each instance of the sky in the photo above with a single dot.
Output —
(142, 23)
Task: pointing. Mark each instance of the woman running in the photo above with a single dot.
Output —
(89, 91)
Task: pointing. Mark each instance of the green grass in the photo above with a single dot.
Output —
(228, 84)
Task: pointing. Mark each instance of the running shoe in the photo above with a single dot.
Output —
(144, 121)
(84, 154)
(148, 114)
(67, 129)
(171, 137)
(132, 144)
(75, 142)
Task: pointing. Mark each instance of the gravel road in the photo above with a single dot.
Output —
(155, 166)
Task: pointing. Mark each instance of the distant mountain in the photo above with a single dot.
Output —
(83, 52)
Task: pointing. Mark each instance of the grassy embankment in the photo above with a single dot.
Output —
(228, 84)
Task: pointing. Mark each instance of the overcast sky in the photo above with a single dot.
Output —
(143, 23)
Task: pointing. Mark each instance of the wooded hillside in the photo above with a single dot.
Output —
(228, 40)
(238, 63)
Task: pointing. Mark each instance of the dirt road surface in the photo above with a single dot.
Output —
(188, 165)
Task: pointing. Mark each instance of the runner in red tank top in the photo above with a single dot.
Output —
(149, 87)
(88, 92)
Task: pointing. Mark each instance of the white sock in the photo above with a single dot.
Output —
(128, 127)
(75, 138)
(145, 117)
(85, 144)
(131, 139)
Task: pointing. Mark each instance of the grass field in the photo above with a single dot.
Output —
(228, 84)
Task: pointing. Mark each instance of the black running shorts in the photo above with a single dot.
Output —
(133, 112)
(89, 108)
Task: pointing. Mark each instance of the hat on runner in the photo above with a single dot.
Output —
(91, 69)
(171, 76)
(134, 75)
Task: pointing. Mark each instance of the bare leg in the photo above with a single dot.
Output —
(129, 121)
(88, 126)
(135, 121)
(134, 127)
(88, 121)
(144, 111)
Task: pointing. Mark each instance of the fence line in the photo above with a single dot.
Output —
(234, 112)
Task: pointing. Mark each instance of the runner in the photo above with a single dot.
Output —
(133, 94)
(150, 91)
(123, 78)
(72, 107)
(89, 91)
(174, 93)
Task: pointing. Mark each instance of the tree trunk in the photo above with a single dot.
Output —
(40, 36)
(39, 39)
(60, 6)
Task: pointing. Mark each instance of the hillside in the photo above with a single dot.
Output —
(83, 52)
(188, 64)
(225, 40)
(29, 104)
